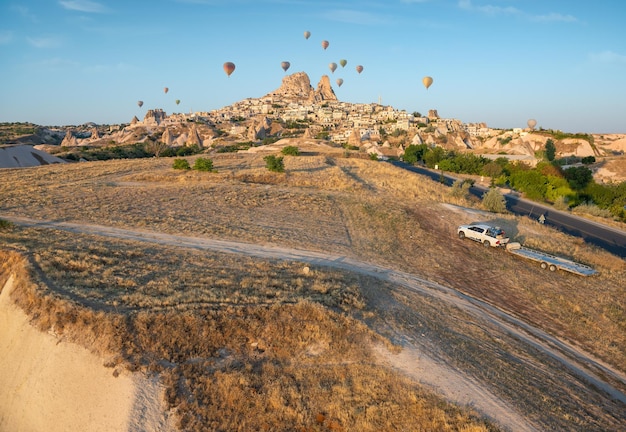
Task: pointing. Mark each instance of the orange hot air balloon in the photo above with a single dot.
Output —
(285, 65)
(307, 34)
(332, 67)
(140, 103)
(359, 68)
(343, 62)
(325, 44)
(339, 82)
(229, 68)
(165, 90)
(427, 81)
(532, 123)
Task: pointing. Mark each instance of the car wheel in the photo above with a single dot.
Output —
(461, 235)
(552, 267)
(486, 243)
(544, 265)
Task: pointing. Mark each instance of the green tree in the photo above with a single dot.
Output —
(274, 163)
(181, 164)
(494, 201)
(550, 150)
(203, 164)
(290, 151)
(414, 153)
(578, 177)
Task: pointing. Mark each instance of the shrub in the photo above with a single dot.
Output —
(274, 163)
(5, 224)
(373, 156)
(203, 164)
(460, 189)
(181, 164)
(494, 201)
(290, 151)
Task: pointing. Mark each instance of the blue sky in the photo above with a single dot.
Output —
(562, 62)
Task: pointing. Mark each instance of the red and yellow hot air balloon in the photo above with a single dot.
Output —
(325, 44)
(359, 68)
(427, 81)
(285, 65)
(229, 68)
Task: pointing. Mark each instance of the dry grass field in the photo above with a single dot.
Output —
(247, 343)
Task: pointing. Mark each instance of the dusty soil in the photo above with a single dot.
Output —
(417, 359)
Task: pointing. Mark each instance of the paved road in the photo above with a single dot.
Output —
(605, 237)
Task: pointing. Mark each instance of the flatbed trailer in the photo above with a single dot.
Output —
(550, 262)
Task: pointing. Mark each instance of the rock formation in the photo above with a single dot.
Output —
(154, 117)
(297, 88)
(259, 129)
(324, 91)
(432, 114)
(69, 140)
(167, 137)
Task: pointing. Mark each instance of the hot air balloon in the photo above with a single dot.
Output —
(532, 123)
(339, 82)
(177, 101)
(165, 90)
(307, 34)
(140, 103)
(229, 68)
(359, 68)
(427, 81)
(325, 44)
(343, 62)
(285, 65)
(332, 67)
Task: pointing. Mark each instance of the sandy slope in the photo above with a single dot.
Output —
(50, 385)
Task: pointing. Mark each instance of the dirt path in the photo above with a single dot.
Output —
(414, 360)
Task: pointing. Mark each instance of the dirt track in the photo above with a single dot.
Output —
(417, 359)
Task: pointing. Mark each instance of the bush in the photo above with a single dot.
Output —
(5, 224)
(274, 163)
(494, 201)
(460, 189)
(290, 151)
(203, 164)
(373, 156)
(181, 164)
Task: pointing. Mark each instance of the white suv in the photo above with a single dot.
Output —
(486, 234)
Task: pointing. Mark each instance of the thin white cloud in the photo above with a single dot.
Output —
(489, 9)
(608, 57)
(24, 12)
(6, 36)
(44, 42)
(118, 67)
(554, 17)
(83, 6)
(354, 17)
(57, 63)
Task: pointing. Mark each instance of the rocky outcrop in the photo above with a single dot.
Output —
(432, 114)
(94, 133)
(69, 140)
(297, 88)
(259, 129)
(154, 117)
(167, 137)
(134, 121)
(324, 91)
(194, 137)
(354, 139)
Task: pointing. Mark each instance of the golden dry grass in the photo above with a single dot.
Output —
(344, 206)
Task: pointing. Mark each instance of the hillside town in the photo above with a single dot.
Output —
(297, 110)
